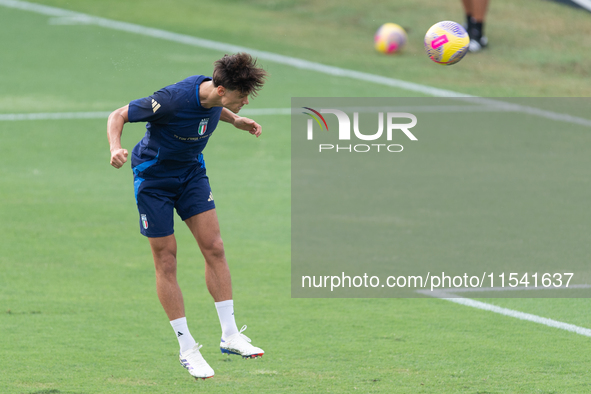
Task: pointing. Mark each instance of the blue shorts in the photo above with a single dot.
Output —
(156, 198)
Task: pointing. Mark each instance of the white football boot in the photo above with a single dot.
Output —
(240, 344)
(194, 362)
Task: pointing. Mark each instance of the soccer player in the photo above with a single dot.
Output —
(169, 172)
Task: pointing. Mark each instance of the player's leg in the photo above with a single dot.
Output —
(479, 8)
(477, 38)
(197, 209)
(206, 230)
(155, 205)
(169, 293)
(170, 296)
(468, 11)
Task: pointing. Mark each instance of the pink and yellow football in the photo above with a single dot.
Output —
(446, 42)
(390, 38)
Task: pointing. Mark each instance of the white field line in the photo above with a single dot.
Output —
(451, 290)
(105, 115)
(54, 116)
(448, 296)
(295, 111)
(586, 4)
(80, 18)
(265, 111)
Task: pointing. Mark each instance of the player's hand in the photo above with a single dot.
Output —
(118, 157)
(249, 125)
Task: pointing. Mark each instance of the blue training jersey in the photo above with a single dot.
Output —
(177, 131)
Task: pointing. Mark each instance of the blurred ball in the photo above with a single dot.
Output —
(390, 38)
(446, 42)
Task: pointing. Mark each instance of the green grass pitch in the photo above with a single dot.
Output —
(78, 307)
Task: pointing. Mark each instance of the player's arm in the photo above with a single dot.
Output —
(114, 130)
(241, 122)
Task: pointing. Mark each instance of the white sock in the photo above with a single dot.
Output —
(226, 315)
(181, 330)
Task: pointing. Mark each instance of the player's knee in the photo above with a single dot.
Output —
(214, 247)
(165, 264)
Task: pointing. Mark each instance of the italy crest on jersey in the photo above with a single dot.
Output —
(203, 126)
(144, 221)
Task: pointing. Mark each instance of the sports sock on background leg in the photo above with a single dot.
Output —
(469, 22)
(478, 28)
(226, 314)
(186, 341)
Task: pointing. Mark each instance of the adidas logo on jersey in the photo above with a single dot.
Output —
(210, 197)
(155, 105)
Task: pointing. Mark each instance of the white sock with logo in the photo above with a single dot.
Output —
(226, 315)
(186, 341)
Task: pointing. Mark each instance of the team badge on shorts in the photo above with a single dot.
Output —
(144, 221)
(203, 126)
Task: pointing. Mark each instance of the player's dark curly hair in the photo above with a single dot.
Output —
(239, 72)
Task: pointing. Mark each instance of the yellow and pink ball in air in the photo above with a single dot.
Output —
(390, 38)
